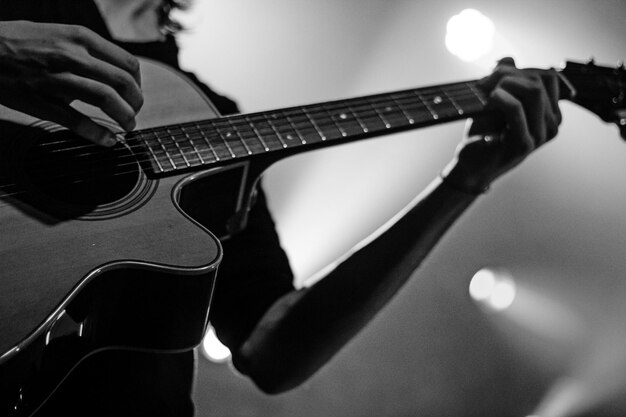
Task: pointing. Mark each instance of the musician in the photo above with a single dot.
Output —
(279, 336)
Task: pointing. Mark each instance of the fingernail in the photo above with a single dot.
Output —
(108, 140)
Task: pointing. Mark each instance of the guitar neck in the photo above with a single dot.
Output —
(189, 145)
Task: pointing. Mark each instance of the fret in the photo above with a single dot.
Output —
(172, 136)
(470, 104)
(266, 132)
(368, 115)
(200, 145)
(155, 158)
(439, 103)
(295, 129)
(466, 98)
(473, 100)
(332, 119)
(426, 104)
(382, 117)
(358, 119)
(276, 132)
(286, 134)
(477, 93)
(239, 134)
(226, 136)
(303, 124)
(257, 134)
(217, 142)
(193, 146)
(207, 141)
(389, 109)
(315, 125)
(325, 122)
(400, 107)
(171, 148)
(294, 132)
(167, 154)
(345, 119)
(413, 107)
(458, 109)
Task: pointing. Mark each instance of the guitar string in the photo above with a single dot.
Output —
(346, 105)
(374, 115)
(134, 160)
(236, 125)
(437, 91)
(185, 137)
(248, 122)
(239, 121)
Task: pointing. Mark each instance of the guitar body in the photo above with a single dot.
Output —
(116, 262)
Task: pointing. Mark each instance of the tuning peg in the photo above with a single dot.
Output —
(591, 61)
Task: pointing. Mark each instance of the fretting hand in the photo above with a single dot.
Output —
(525, 115)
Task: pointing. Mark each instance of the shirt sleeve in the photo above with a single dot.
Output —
(254, 273)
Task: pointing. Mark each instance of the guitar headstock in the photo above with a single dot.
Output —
(602, 90)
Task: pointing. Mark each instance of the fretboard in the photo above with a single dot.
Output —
(189, 145)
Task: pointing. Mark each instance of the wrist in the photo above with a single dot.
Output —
(463, 181)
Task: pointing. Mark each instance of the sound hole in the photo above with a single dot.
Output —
(80, 175)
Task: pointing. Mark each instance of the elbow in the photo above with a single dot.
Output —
(271, 377)
(272, 386)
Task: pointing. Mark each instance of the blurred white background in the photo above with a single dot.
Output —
(556, 224)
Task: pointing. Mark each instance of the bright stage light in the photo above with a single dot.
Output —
(213, 349)
(493, 288)
(470, 35)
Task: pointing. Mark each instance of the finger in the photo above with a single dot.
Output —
(506, 61)
(66, 116)
(113, 76)
(552, 118)
(530, 92)
(504, 67)
(552, 84)
(106, 51)
(72, 87)
(486, 125)
(517, 134)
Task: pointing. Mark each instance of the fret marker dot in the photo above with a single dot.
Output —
(438, 100)
(289, 137)
(435, 116)
(228, 134)
(343, 116)
(388, 109)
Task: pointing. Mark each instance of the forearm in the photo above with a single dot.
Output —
(301, 331)
(304, 329)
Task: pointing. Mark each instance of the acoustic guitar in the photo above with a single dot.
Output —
(106, 248)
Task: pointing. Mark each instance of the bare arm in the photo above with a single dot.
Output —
(305, 328)
(44, 67)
